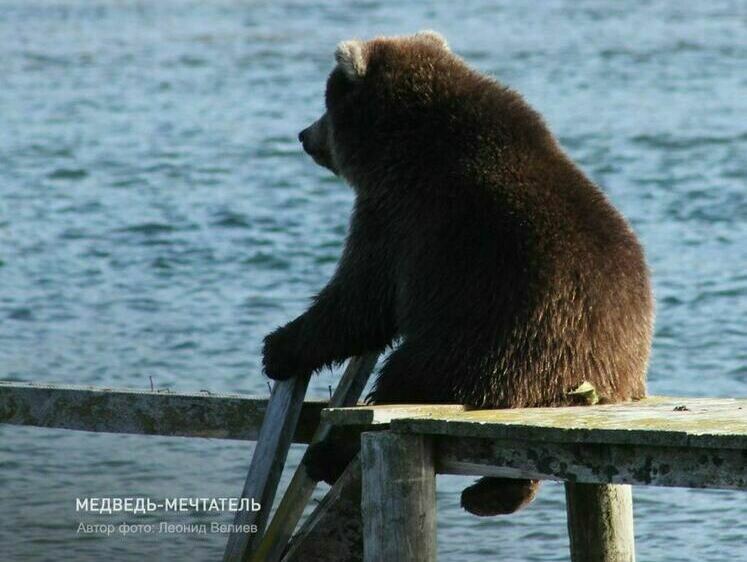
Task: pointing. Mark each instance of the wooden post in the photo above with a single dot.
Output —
(267, 463)
(301, 487)
(398, 497)
(600, 522)
(334, 531)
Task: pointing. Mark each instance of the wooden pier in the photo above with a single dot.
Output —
(383, 507)
(598, 451)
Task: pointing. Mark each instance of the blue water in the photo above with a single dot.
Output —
(157, 218)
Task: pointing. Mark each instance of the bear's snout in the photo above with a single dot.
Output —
(314, 141)
(307, 140)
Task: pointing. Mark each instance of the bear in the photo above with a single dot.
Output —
(498, 272)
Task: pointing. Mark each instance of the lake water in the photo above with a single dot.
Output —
(158, 217)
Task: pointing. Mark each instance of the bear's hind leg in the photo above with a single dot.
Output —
(415, 374)
(327, 459)
(498, 496)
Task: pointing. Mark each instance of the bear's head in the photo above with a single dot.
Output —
(389, 103)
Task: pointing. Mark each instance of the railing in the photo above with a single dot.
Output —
(383, 507)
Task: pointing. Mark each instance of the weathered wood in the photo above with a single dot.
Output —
(398, 498)
(144, 412)
(593, 463)
(718, 423)
(600, 522)
(267, 463)
(334, 530)
(385, 413)
(301, 487)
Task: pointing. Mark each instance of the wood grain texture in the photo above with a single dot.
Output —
(398, 498)
(268, 459)
(600, 522)
(334, 530)
(718, 423)
(301, 487)
(386, 413)
(594, 463)
(144, 412)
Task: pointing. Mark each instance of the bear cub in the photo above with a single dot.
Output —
(503, 272)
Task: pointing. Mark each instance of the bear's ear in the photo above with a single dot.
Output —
(433, 37)
(349, 55)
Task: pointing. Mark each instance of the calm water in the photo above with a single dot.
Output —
(157, 218)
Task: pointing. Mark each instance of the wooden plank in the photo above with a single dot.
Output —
(398, 499)
(594, 463)
(600, 522)
(334, 530)
(386, 413)
(718, 423)
(144, 412)
(301, 487)
(283, 411)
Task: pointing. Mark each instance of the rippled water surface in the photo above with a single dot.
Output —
(157, 218)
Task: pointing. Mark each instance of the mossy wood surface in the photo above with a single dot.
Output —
(656, 421)
(594, 463)
(386, 413)
(144, 412)
(600, 522)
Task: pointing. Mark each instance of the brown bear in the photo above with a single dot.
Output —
(504, 272)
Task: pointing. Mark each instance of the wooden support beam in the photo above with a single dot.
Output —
(144, 412)
(301, 487)
(600, 522)
(384, 414)
(268, 459)
(334, 530)
(398, 498)
(594, 463)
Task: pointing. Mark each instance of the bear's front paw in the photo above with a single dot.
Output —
(280, 357)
